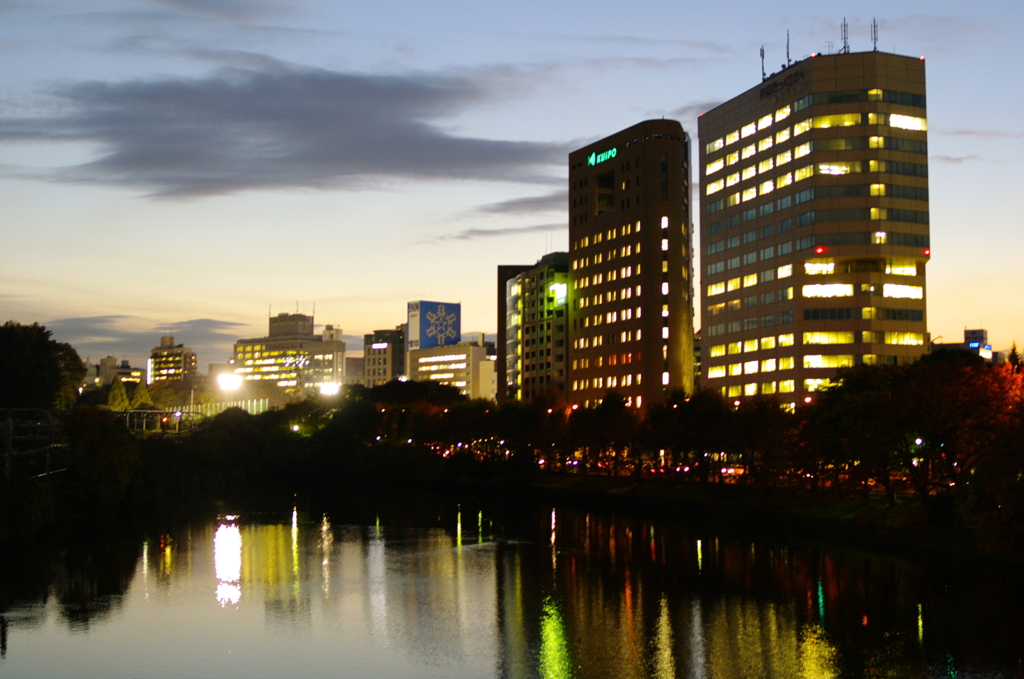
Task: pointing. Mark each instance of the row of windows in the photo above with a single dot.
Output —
(610, 234)
(821, 98)
(752, 323)
(866, 313)
(818, 122)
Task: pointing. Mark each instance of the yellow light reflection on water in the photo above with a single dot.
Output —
(555, 661)
(664, 659)
(227, 560)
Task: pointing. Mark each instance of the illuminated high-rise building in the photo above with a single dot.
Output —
(533, 344)
(631, 316)
(291, 356)
(814, 225)
(170, 361)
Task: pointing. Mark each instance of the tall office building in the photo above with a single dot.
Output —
(291, 356)
(631, 317)
(814, 224)
(384, 356)
(532, 343)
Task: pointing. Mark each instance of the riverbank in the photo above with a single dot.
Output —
(910, 529)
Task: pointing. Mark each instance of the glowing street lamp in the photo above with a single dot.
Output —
(229, 381)
(330, 389)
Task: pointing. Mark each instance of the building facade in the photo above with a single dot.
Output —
(170, 361)
(814, 225)
(383, 356)
(631, 316)
(291, 356)
(533, 346)
(468, 366)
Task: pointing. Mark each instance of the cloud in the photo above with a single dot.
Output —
(955, 160)
(548, 202)
(263, 124)
(118, 335)
(477, 233)
(232, 10)
(983, 134)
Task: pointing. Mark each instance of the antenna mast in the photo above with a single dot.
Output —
(874, 33)
(788, 62)
(846, 37)
(763, 76)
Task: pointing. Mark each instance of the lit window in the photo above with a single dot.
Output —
(732, 137)
(787, 386)
(735, 390)
(714, 146)
(786, 340)
(764, 144)
(905, 338)
(878, 189)
(750, 389)
(802, 150)
(715, 166)
(716, 289)
(717, 371)
(765, 165)
(785, 180)
(828, 290)
(785, 271)
(817, 267)
(664, 244)
(766, 187)
(875, 95)
(748, 130)
(748, 151)
(732, 284)
(732, 158)
(801, 127)
(837, 361)
(835, 337)
(732, 179)
(783, 113)
(735, 348)
(815, 384)
(878, 237)
(734, 199)
(784, 157)
(803, 173)
(749, 194)
(787, 363)
(901, 267)
(768, 342)
(749, 172)
(876, 142)
(839, 120)
(764, 122)
(664, 288)
(735, 368)
(749, 280)
(768, 365)
(750, 345)
(907, 122)
(767, 387)
(717, 350)
(839, 168)
(897, 291)
(664, 225)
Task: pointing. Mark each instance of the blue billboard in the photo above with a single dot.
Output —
(434, 324)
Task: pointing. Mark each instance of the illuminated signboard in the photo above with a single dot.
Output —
(596, 158)
(434, 324)
(559, 290)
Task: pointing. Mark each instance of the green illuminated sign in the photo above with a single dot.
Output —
(596, 157)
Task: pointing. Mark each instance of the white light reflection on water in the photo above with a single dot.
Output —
(227, 560)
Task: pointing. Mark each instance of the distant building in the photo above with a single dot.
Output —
(292, 357)
(629, 236)
(383, 356)
(975, 341)
(469, 366)
(532, 344)
(170, 361)
(505, 273)
(354, 368)
(109, 369)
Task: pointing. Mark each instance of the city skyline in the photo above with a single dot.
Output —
(173, 168)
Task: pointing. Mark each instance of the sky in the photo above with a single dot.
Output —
(188, 167)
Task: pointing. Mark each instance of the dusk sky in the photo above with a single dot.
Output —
(182, 166)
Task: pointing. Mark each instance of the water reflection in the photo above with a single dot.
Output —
(557, 594)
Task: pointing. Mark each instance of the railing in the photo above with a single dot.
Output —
(32, 440)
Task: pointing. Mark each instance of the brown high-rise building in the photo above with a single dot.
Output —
(814, 225)
(631, 312)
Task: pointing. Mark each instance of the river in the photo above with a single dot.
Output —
(419, 588)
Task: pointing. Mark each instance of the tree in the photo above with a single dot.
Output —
(141, 400)
(118, 397)
(1014, 358)
(36, 371)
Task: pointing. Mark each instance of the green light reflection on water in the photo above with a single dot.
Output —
(555, 661)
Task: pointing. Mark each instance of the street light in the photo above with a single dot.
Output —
(229, 381)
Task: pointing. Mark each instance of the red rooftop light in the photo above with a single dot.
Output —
(819, 250)
(928, 251)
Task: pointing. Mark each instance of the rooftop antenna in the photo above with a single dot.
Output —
(846, 37)
(874, 33)
(763, 76)
(788, 62)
